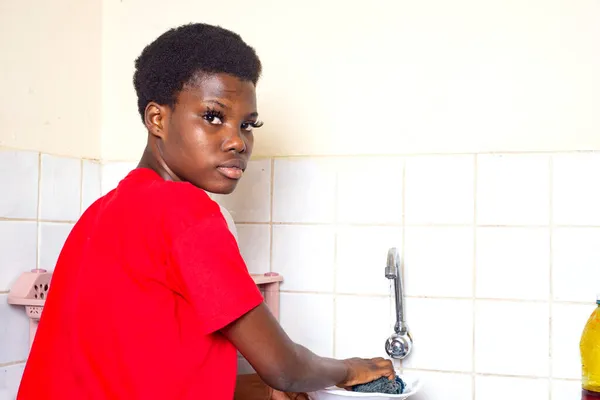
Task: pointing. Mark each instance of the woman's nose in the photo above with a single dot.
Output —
(235, 141)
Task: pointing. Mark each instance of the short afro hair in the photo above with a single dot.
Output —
(176, 56)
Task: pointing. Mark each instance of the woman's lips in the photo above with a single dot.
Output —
(234, 173)
(233, 168)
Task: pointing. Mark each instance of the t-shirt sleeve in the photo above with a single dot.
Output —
(212, 275)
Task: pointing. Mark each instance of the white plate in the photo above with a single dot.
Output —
(413, 384)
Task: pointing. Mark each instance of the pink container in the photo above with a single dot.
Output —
(30, 291)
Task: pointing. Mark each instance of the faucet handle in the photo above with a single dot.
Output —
(399, 346)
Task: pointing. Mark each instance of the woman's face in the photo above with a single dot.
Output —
(207, 138)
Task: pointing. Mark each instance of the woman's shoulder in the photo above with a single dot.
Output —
(182, 206)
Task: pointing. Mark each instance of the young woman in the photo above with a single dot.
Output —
(150, 298)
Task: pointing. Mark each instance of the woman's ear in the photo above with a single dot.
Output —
(155, 116)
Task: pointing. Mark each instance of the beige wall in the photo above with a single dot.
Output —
(50, 76)
(393, 77)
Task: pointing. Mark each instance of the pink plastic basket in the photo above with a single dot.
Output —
(30, 291)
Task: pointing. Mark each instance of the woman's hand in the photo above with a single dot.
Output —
(366, 370)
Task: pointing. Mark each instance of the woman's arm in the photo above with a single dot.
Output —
(287, 366)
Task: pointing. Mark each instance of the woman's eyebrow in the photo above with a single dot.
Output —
(217, 102)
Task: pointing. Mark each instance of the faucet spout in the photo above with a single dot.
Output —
(393, 271)
(393, 263)
(400, 343)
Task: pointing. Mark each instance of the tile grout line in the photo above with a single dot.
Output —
(333, 155)
(416, 154)
(11, 363)
(271, 190)
(383, 225)
(58, 155)
(361, 225)
(39, 214)
(536, 377)
(550, 272)
(370, 155)
(81, 186)
(334, 296)
(101, 167)
(380, 295)
(52, 221)
(474, 276)
(402, 250)
(335, 259)
(487, 299)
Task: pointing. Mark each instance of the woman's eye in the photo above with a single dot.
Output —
(213, 119)
(249, 126)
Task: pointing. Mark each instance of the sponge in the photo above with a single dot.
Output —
(381, 385)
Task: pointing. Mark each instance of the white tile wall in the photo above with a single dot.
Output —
(91, 182)
(312, 329)
(60, 187)
(501, 388)
(52, 238)
(252, 202)
(379, 199)
(446, 253)
(443, 334)
(18, 250)
(19, 184)
(361, 326)
(513, 189)
(513, 263)
(439, 190)
(14, 342)
(444, 386)
(304, 191)
(512, 338)
(500, 264)
(305, 256)
(361, 251)
(575, 194)
(500, 257)
(566, 390)
(255, 245)
(10, 376)
(575, 263)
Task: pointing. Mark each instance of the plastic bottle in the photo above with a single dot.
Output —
(590, 356)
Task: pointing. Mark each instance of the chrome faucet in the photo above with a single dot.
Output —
(400, 343)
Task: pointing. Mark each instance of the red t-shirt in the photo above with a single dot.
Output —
(145, 281)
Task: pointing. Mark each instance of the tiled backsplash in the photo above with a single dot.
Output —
(502, 262)
(501, 257)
